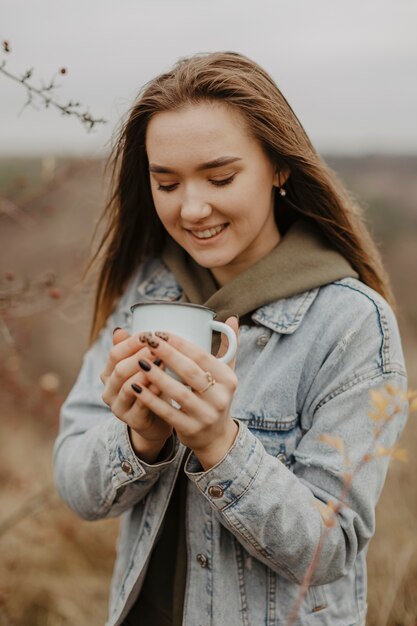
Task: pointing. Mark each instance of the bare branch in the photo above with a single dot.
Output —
(44, 94)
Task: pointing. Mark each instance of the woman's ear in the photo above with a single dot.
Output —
(281, 176)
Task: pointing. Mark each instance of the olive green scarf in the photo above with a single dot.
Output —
(302, 260)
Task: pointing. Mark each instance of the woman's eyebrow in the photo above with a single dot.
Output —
(160, 169)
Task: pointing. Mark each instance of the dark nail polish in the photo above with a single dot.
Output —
(157, 362)
(162, 335)
(144, 337)
(117, 328)
(136, 388)
(144, 365)
(152, 342)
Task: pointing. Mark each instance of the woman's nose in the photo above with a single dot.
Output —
(194, 209)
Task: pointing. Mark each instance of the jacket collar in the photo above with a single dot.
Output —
(282, 316)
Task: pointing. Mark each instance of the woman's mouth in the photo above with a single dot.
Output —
(208, 235)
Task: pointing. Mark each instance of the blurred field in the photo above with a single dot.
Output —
(54, 568)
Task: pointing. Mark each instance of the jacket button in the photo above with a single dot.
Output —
(127, 468)
(215, 491)
(202, 560)
(282, 457)
(262, 340)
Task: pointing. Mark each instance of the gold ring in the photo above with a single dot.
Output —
(211, 382)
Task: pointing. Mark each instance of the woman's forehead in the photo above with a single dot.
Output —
(203, 132)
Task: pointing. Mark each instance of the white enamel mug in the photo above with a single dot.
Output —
(193, 322)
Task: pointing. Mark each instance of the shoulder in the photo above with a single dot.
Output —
(354, 292)
(354, 314)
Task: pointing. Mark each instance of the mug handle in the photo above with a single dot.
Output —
(231, 337)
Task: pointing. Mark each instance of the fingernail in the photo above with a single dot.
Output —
(162, 335)
(236, 316)
(144, 365)
(152, 342)
(144, 336)
(136, 388)
(117, 328)
(157, 362)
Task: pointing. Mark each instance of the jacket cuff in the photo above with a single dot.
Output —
(224, 483)
(126, 467)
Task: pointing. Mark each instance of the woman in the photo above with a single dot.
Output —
(220, 199)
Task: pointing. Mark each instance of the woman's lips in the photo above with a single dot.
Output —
(208, 240)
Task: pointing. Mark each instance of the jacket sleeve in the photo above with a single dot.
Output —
(273, 511)
(95, 468)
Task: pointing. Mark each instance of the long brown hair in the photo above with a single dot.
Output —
(133, 230)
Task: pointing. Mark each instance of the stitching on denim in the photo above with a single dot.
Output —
(187, 590)
(280, 326)
(356, 380)
(246, 535)
(235, 500)
(141, 531)
(241, 578)
(383, 324)
(227, 511)
(140, 534)
(268, 424)
(303, 306)
(271, 598)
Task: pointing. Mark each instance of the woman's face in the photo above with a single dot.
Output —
(207, 171)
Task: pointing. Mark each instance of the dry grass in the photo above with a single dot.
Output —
(392, 557)
(54, 567)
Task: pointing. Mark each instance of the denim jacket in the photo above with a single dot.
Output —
(305, 369)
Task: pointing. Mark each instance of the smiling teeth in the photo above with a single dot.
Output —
(205, 234)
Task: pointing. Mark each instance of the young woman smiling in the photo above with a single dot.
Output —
(219, 198)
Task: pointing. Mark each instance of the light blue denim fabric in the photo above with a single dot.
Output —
(304, 370)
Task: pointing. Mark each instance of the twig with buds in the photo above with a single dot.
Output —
(44, 93)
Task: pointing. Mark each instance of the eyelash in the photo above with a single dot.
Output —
(217, 183)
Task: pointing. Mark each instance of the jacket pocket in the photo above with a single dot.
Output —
(279, 436)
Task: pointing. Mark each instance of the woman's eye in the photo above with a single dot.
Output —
(218, 183)
(223, 181)
(167, 187)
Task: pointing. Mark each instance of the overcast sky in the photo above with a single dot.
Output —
(347, 67)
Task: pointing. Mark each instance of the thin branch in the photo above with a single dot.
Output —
(44, 94)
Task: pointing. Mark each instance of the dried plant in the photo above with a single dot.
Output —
(388, 401)
(45, 93)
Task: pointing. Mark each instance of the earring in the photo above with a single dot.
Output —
(282, 191)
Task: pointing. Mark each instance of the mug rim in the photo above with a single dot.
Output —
(190, 304)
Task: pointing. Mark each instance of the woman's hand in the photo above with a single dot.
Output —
(148, 432)
(203, 421)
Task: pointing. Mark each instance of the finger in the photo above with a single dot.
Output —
(233, 322)
(163, 409)
(140, 417)
(127, 367)
(121, 350)
(190, 361)
(206, 407)
(123, 371)
(119, 334)
(124, 402)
